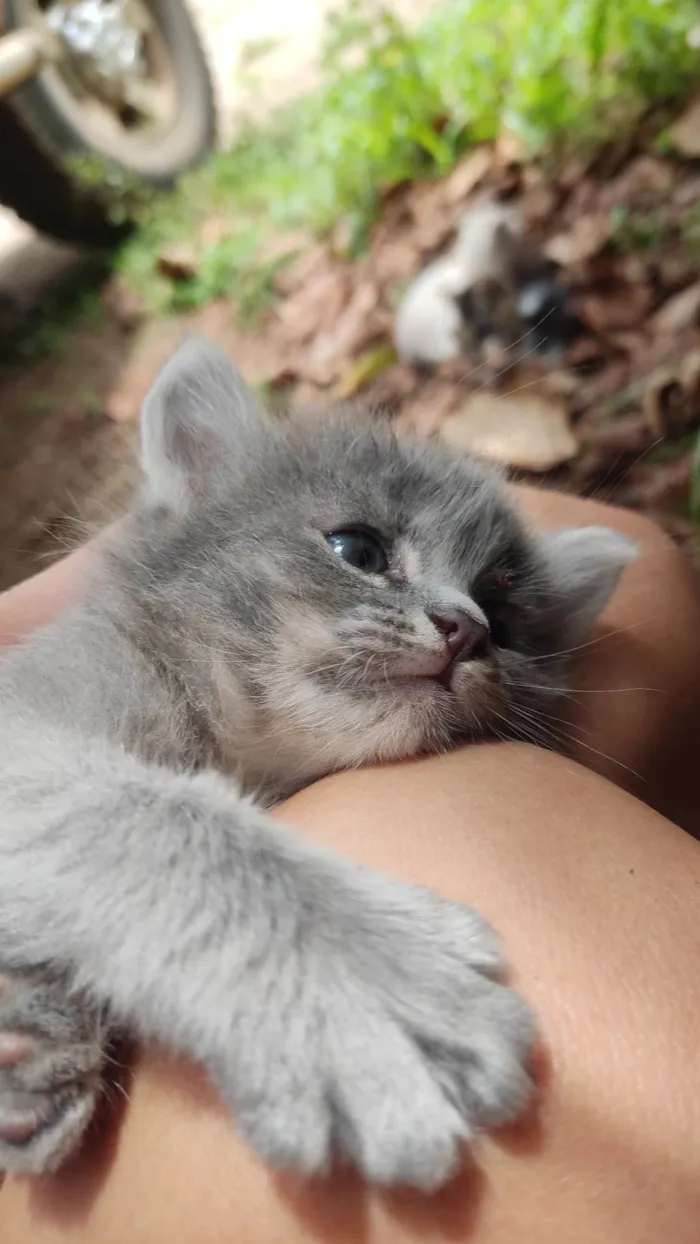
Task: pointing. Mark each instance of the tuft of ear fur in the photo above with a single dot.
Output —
(193, 421)
(586, 563)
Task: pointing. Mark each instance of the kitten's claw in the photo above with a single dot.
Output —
(51, 1059)
(396, 1049)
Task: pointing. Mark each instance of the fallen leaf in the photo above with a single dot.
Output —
(508, 149)
(587, 237)
(529, 431)
(366, 368)
(644, 178)
(684, 134)
(613, 312)
(424, 414)
(628, 435)
(320, 300)
(665, 404)
(676, 268)
(687, 194)
(467, 175)
(432, 221)
(350, 332)
(573, 172)
(679, 311)
(396, 260)
(586, 354)
(393, 386)
(627, 341)
(538, 203)
(178, 262)
(310, 262)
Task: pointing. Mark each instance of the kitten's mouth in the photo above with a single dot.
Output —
(430, 679)
(441, 673)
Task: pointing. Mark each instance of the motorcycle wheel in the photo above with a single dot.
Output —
(146, 133)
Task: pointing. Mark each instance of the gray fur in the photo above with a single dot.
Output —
(221, 657)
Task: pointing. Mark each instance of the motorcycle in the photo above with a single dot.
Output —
(99, 100)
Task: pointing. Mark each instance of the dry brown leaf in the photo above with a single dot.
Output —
(393, 387)
(424, 414)
(684, 134)
(529, 431)
(586, 238)
(303, 269)
(434, 218)
(665, 404)
(676, 268)
(633, 269)
(628, 435)
(614, 312)
(679, 311)
(397, 260)
(643, 178)
(586, 353)
(508, 149)
(178, 262)
(330, 351)
(538, 203)
(467, 175)
(573, 172)
(628, 341)
(320, 300)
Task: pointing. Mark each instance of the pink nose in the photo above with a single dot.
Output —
(465, 637)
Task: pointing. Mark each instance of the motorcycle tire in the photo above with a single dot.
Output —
(39, 139)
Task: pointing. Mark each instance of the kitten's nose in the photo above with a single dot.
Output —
(465, 637)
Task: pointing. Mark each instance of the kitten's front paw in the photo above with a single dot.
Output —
(51, 1059)
(393, 1048)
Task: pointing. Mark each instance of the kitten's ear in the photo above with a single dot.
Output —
(194, 421)
(586, 564)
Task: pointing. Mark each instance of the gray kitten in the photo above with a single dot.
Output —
(286, 598)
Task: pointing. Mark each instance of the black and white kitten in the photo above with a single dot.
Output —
(491, 292)
(285, 598)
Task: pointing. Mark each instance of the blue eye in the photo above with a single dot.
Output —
(360, 548)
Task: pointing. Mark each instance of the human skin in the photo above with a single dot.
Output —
(595, 895)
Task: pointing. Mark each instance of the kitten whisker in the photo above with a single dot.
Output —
(509, 367)
(571, 738)
(590, 643)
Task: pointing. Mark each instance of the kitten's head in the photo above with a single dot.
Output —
(329, 594)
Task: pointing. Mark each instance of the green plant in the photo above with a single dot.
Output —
(396, 103)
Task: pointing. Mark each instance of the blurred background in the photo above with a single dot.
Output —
(483, 217)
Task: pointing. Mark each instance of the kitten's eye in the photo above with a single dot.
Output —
(497, 582)
(360, 548)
